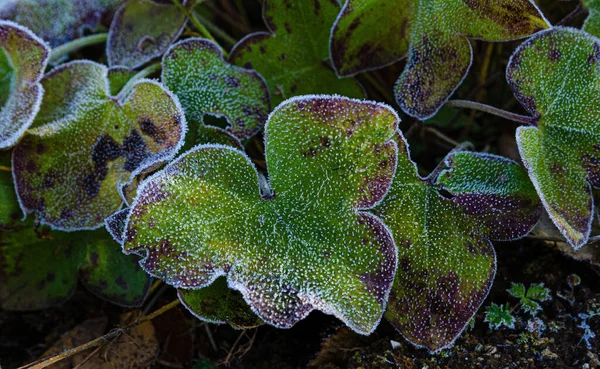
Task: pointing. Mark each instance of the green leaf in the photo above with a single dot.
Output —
(39, 268)
(302, 242)
(118, 78)
(433, 34)
(194, 69)
(23, 58)
(141, 31)
(538, 292)
(517, 290)
(530, 306)
(555, 76)
(592, 23)
(293, 55)
(498, 316)
(60, 21)
(84, 145)
(9, 205)
(217, 303)
(442, 226)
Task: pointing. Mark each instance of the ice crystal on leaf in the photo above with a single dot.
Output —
(142, 30)
(60, 21)
(433, 33)
(194, 69)
(23, 58)
(39, 268)
(307, 241)
(84, 144)
(556, 77)
(293, 55)
(442, 226)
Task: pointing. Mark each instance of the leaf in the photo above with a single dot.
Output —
(442, 226)
(217, 303)
(555, 77)
(530, 306)
(39, 268)
(194, 69)
(498, 316)
(517, 290)
(141, 31)
(23, 58)
(84, 144)
(433, 34)
(118, 78)
(306, 242)
(538, 292)
(592, 23)
(292, 55)
(60, 21)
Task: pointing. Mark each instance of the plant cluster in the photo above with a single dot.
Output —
(333, 214)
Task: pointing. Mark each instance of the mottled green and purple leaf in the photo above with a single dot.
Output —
(433, 34)
(556, 77)
(305, 241)
(442, 226)
(195, 71)
(85, 144)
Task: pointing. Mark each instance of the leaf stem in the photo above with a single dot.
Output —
(524, 119)
(100, 340)
(5, 168)
(382, 91)
(77, 44)
(216, 30)
(150, 69)
(203, 31)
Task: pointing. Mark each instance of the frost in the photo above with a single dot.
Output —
(530, 298)
(85, 144)
(555, 77)
(293, 55)
(498, 316)
(433, 34)
(195, 71)
(60, 21)
(141, 31)
(23, 58)
(442, 226)
(308, 243)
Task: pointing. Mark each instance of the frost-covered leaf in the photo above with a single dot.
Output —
(442, 226)
(538, 292)
(84, 144)
(293, 55)
(60, 21)
(23, 58)
(40, 268)
(592, 23)
(194, 69)
(304, 243)
(217, 303)
(498, 316)
(530, 306)
(141, 31)
(118, 78)
(517, 290)
(433, 33)
(556, 77)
